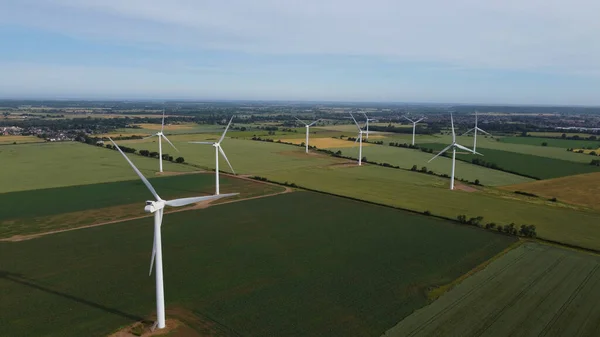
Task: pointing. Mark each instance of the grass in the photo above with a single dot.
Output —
(406, 158)
(557, 286)
(246, 156)
(20, 139)
(421, 192)
(559, 134)
(29, 212)
(298, 264)
(562, 143)
(525, 164)
(47, 165)
(581, 189)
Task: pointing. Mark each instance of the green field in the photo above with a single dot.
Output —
(534, 290)
(246, 156)
(406, 158)
(35, 211)
(420, 192)
(299, 264)
(46, 165)
(525, 164)
(553, 142)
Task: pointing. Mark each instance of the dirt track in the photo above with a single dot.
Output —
(200, 205)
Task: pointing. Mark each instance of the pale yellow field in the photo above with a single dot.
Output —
(586, 151)
(142, 133)
(20, 139)
(325, 143)
(581, 189)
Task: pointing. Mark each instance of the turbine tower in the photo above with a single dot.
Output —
(414, 126)
(307, 130)
(157, 207)
(475, 129)
(359, 138)
(453, 146)
(160, 135)
(368, 120)
(218, 149)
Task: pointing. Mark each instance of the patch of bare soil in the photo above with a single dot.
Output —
(463, 187)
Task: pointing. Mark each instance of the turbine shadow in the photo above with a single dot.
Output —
(20, 279)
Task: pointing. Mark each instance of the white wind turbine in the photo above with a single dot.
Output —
(414, 126)
(453, 146)
(160, 135)
(368, 120)
(475, 129)
(359, 138)
(218, 149)
(157, 207)
(307, 130)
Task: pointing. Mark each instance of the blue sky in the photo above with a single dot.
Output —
(461, 51)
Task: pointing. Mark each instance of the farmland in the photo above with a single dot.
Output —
(558, 287)
(528, 165)
(582, 189)
(421, 192)
(46, 165)
(90, 204)
(552, 142)
(20, 140)
(237, 270)
(406, 158)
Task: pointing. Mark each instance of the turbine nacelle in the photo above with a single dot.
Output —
(153, 206)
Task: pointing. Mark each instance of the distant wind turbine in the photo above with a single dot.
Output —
(453, 146)
(359, 138)
(368, 120)
(160, 135)
(414, 126)
(157, 207)
(307, 130)
(475, 129)
(218, 149)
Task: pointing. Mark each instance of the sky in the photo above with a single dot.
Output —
(439, 51)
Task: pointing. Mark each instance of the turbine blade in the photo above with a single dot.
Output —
(419, 120)
(224, 132)
(146, 182)
(315, 122)
(467, 149)
(193, 200)
(437, 155)
(168, 141)
(299, 120)
(227, 160)
(468, 131)
(162, 127)
(408, 119)
(453, 134)
(358, 126)
(149, 136)
(357, 136)
(487, 133)
(207, 143)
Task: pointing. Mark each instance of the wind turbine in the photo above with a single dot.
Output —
(475, 129)
(157, 207)
(307, 130)
(453, 146)
(160, 136)
(218, 149)
(368, 120)
(359, 138)
(414, 126)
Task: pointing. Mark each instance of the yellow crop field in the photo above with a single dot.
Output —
(20, 139)
(167, 127)
(324, 143)
(581, 189)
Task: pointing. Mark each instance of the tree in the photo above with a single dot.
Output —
(154, 154)
(364, 159)
(475, 221)
(338, 153)
(462, 218)
(593, 153)
(544, 144)
(477, 182)
(243, 128)
(145, 153)
(563, 136)
(414, 168)
(490, 225)
(424, 169)
(179, 160)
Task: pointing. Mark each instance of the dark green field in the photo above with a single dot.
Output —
(525, 164)
(21, 210)
(552, 142)
(298, 264)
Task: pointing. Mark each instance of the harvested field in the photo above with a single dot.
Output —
(20, 139)
(168, 127)
(534, 290)
(325, 143)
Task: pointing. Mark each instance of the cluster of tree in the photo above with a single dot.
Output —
(595, 162)
(257, 138)
(577, 137)
(432, 128)
(526, 194)
(123, 148)
(511, 229)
